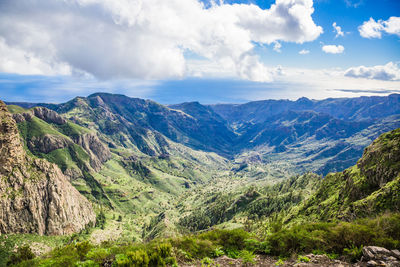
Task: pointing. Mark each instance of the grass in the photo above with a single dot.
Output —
(15, 109)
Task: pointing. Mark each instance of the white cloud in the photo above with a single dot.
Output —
(338, 30)
(148, 39)
(277, 47)
(15, 60)
(374, 29)
(304, 52)
(333, 49)
(388, 72)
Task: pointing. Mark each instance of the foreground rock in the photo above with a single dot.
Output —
(35, 197)
(378, 256)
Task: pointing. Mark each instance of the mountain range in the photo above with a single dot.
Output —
(307, 135)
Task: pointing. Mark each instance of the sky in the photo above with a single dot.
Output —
(174, 51)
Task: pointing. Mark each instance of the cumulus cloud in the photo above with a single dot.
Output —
(338, 30)
(333, 49)
(374, 29)
(304, 52)
(146, 39)
(388, 72)
(15, 60)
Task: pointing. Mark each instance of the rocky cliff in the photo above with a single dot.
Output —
(35, 197)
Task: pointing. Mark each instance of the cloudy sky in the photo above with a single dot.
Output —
(210, 51)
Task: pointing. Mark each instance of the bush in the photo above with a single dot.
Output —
(23, 253)
(247, 257)
(138, 258)
(303, 259)
(228, 239)
(98, 255)
(354, 253)
(82, 249)
(194, 247)
(218, 252)
(206, 262)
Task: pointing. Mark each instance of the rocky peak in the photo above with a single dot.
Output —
(48, 115)
(11, 149)
(35, 197)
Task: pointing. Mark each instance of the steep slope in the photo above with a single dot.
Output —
(35, 196)
(370, 187)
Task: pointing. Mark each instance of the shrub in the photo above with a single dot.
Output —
(206, 261)
(138, 258)
(247, 257)
(228, 239)
(354, 253)
(233, 253)
(82, 248)
(99, 255)
(218, 252)
(195, 247)
(303, 259)
(23, 253)
(121, 260)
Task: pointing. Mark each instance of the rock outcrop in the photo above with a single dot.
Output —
(378, 256)
(48, 143)
(98, 152)
(35, 197)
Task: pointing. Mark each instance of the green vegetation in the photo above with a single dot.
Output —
(15, 109)
(338, 237)
(343, 238)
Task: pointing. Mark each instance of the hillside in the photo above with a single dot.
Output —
(370, 187)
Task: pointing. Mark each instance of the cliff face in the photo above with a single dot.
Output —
(35, 197)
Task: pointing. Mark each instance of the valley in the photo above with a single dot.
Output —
(153, 172)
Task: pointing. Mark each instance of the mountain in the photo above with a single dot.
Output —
(35, 196)
(146, 123)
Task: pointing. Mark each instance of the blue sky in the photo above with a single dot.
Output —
(231, 51)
